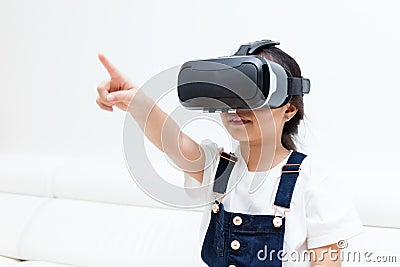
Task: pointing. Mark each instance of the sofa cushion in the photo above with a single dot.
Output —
(9, 262)
(101, 180)
(89, 233)
(17, 212)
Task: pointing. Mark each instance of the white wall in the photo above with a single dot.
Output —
(49, 69)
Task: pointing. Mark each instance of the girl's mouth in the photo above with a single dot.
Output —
(237, 119)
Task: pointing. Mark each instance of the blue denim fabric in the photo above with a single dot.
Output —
(256, 234)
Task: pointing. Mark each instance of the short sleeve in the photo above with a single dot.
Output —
(331, 216)
(211, 151)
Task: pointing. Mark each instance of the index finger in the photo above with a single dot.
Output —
(111, 69)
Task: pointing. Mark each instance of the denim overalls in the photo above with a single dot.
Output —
(246, 240)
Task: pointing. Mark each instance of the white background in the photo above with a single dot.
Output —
(49, 70)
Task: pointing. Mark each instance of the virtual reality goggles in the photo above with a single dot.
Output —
(240, 81)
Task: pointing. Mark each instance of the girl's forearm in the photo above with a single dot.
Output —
(162, 130)
(157, 126)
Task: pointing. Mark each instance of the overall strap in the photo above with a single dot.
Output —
(290, 172)
(225, 166)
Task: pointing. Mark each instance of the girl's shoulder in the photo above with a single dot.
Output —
(211, 150)
(315, 169)
(210, 145)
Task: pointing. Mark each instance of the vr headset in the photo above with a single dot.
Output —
(240, 81)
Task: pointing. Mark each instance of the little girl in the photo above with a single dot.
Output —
(280, 208)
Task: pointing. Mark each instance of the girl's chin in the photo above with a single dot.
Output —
(239, 132)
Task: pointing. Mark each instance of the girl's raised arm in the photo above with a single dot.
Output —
(157, 126)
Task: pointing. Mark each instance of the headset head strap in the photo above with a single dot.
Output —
(250, 48)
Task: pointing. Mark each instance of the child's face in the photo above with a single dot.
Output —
(255, 125)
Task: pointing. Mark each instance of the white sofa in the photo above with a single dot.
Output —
(82, 212)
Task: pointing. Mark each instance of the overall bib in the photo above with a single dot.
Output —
(246, 240)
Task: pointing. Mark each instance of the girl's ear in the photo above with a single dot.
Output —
(290, 111)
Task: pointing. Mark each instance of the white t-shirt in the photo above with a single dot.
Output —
(320, 211)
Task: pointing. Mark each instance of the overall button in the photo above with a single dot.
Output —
(277, 221)
(237, 220)
(235, 245)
